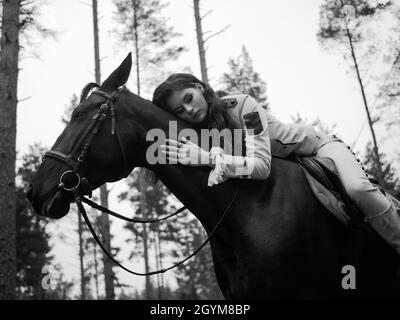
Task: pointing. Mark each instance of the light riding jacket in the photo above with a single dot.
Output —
(264, 136)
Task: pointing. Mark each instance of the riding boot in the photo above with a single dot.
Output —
(387, 225)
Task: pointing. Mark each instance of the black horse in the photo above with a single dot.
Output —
(276, 242)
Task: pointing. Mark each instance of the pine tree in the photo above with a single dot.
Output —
(196, 278)
(242, 78)
(343, 25)
(200, 41)
(391, 178)
(317, 123)
(157, 202)
(33, 239)
(18, 19)
(9, 44)
(104, 222)
(62, 289)
(142, 25)
(390, 89)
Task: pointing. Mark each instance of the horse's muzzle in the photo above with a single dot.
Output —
(56, 207)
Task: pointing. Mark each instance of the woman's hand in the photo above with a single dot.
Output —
(186, 152)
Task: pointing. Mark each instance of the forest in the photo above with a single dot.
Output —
(42, 259)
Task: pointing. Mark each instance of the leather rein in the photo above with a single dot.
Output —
(71, 181)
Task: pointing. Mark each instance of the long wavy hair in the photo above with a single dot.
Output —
(217, 116)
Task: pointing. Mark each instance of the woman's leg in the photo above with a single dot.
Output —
(378, 210)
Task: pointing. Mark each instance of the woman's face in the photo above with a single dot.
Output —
(189, 104)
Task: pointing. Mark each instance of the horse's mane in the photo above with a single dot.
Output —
(86, 89)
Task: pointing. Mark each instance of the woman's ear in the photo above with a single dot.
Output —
(200, 87)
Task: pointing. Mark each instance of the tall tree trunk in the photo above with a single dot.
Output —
(9, 44)
(96, 278)
(81, 255)
(143, 205)
(135, 32)
(370, 122)
(160, 260)
(160, 279)
(96, 42)
(157, 262)
(105, 232)
(105, 222)
(200, 41)
(142, 173)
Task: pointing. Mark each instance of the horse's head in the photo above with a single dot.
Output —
(91, 150)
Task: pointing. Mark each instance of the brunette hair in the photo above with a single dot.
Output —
(217, 116)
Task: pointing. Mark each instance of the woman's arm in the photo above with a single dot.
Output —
(256, 164)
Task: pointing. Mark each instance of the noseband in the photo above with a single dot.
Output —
(71, 181)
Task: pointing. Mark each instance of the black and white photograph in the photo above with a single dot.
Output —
(200, 156)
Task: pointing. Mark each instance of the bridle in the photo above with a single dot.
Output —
(78, 153)
(71, 181)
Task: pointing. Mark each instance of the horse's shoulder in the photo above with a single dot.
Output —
(286, 169)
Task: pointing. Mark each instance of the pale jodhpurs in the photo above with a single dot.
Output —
(367, 197)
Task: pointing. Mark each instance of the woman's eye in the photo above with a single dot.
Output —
(189, 98)
(179, 111)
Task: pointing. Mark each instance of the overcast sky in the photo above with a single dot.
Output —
(280, 37)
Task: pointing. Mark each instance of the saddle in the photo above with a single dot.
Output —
(324, 181)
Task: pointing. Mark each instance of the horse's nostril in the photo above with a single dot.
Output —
(29, 192)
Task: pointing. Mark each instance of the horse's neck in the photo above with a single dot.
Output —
(188, 184)
(150, 117)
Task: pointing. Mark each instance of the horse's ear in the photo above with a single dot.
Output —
(120, 75)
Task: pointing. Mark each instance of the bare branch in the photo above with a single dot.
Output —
(206, 14)
(86, 4)
(217, 33)
(394, 94)
(24, 99)
(375, 119)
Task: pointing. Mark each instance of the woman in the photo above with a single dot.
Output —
(196, 102)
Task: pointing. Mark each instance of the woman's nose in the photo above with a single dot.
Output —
(189, 109)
